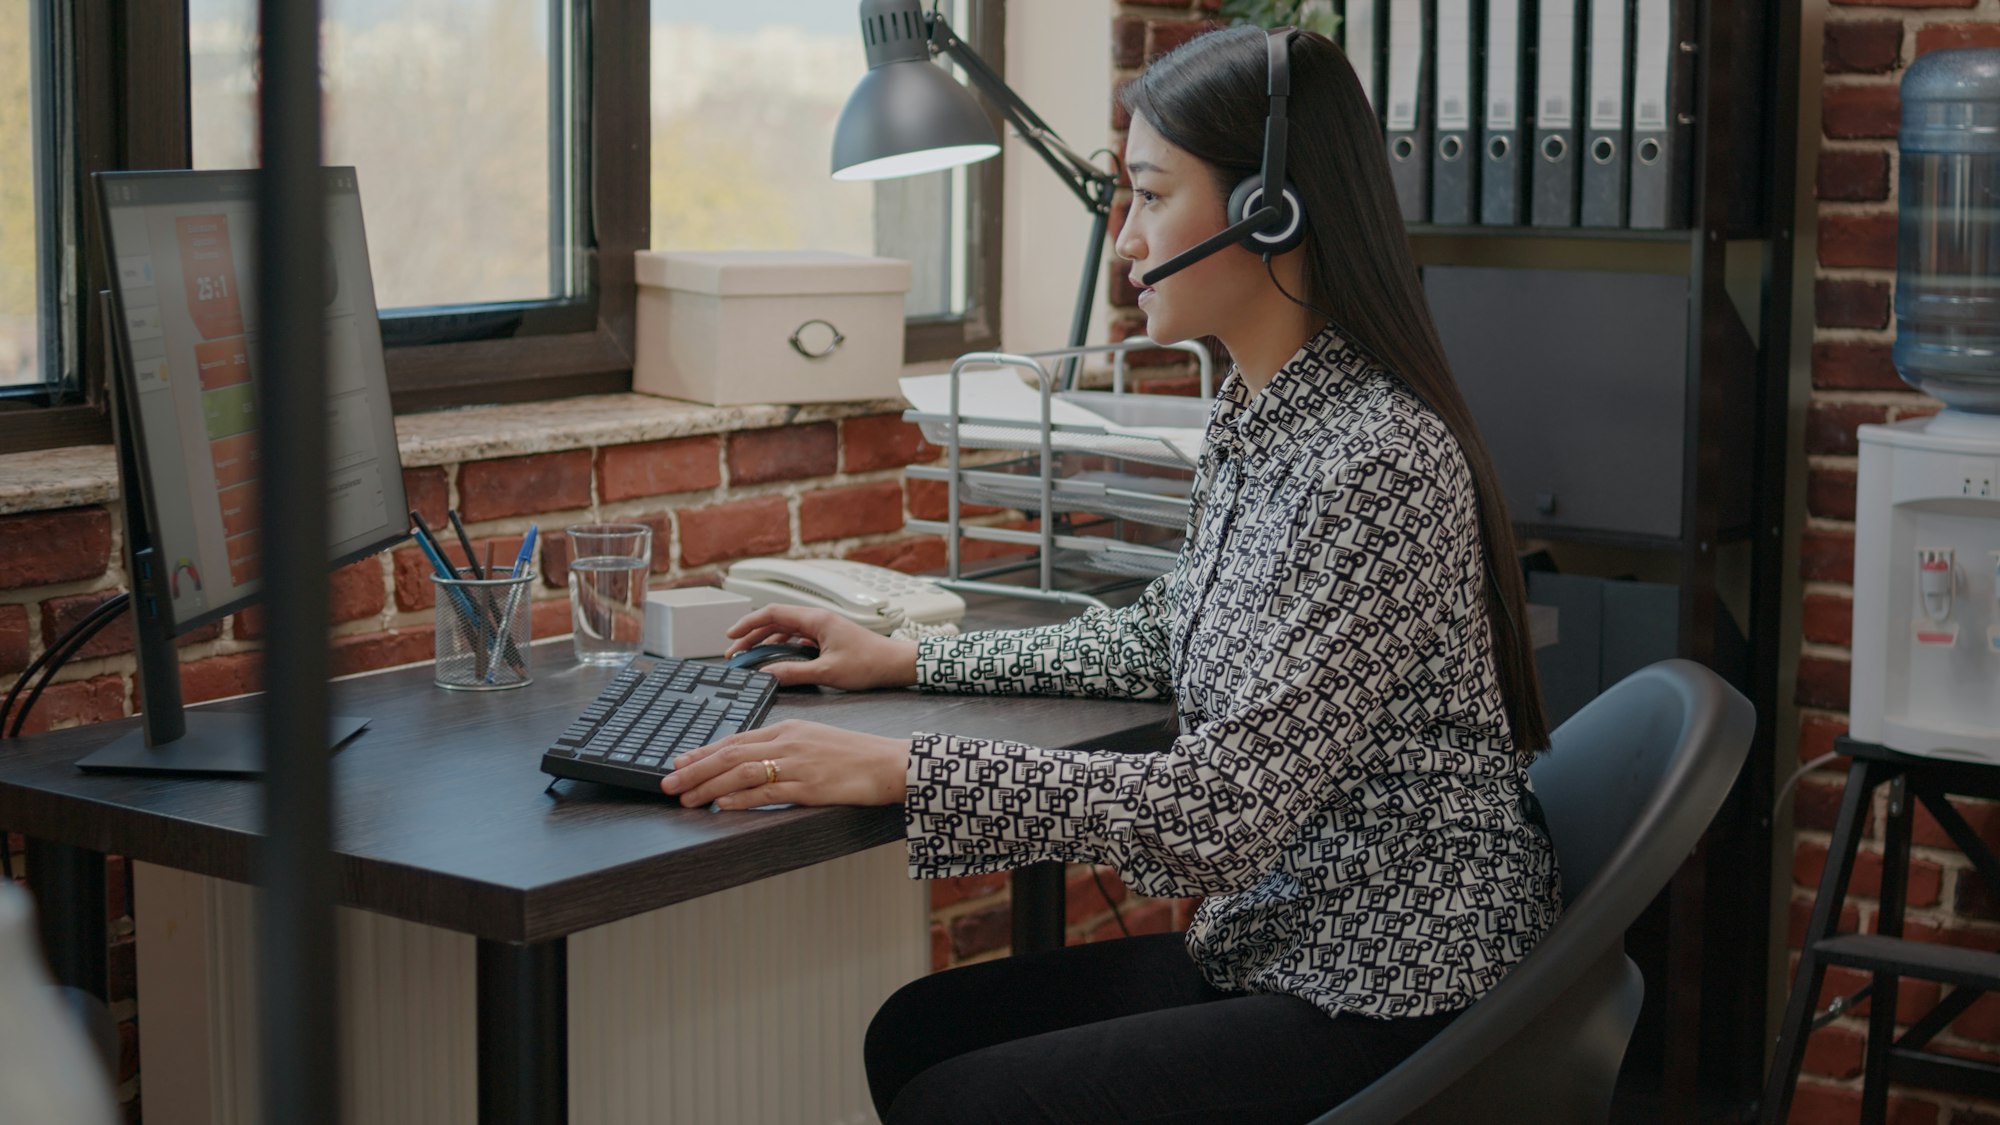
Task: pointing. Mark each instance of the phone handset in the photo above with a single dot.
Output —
(800, 582)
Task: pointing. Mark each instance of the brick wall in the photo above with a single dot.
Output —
(1853, 382)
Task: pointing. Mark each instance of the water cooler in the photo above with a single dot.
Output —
(1926, 644)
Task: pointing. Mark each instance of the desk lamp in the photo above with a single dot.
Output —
(907, 117)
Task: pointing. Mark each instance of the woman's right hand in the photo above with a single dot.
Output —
(850, 657)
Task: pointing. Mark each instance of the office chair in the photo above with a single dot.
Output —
(1629, 785)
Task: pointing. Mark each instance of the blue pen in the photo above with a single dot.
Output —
(513, 599)
(527, 551)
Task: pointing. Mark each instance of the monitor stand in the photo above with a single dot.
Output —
(216, 743)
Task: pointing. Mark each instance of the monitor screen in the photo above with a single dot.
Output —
(183, 294)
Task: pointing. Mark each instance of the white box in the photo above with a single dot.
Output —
(692, 621)
(719, 326)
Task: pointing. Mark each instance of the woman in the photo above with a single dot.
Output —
(1343, 637)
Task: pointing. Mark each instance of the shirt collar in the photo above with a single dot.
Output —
(1299, 398)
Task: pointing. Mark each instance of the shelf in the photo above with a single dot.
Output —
(1559, 234)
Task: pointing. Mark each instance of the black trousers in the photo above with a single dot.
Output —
(1120, 1031)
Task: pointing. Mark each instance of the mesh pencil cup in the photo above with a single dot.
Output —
(483, 632)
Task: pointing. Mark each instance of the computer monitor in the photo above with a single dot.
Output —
(184, 330)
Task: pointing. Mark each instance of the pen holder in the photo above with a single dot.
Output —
(483, 632)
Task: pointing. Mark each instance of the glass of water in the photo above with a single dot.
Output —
(608, 564)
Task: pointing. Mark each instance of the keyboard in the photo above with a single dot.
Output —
(655, 710)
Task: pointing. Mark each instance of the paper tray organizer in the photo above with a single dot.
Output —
(1075, 469)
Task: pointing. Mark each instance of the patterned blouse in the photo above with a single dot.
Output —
(1345, 791)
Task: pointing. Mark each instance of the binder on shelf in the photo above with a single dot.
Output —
(1407, 117)
(1503, 159)
(1663, 38)
(1455, 164)
(1552, 183)
(1606, 120)
(1361, 42)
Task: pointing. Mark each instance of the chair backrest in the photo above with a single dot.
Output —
(1629, 784)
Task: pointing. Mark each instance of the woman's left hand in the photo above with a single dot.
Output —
(814, 764)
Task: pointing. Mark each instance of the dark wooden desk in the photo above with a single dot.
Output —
(440, 818)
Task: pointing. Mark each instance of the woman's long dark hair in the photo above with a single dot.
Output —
(1209, 97)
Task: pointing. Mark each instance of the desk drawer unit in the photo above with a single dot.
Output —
(747, 1005)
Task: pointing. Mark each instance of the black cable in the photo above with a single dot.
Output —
(107, 606)
(1106, 892)
(59, 653)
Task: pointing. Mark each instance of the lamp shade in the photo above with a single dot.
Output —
(905, 117)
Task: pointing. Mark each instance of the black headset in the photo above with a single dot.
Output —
(1256, 223)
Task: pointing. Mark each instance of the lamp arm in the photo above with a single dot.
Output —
(1093, 185)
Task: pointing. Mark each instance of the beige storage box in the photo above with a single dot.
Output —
(781, 326)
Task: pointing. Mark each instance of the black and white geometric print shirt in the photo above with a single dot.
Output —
(1345, 791)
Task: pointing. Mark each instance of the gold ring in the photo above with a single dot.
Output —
(770, 772)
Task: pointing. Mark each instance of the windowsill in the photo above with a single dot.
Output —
(47, 479)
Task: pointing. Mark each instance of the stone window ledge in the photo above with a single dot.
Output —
(66, 478)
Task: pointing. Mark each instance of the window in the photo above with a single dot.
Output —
(745, 164)
(459, 117)
(29, 355)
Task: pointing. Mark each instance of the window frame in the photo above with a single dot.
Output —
(125, 106)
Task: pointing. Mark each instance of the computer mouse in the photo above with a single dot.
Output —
(754, 658)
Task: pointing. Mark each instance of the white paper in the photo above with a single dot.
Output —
(1652, 58)
(1555, 66)
(1358, 35)
(1454, 61)
(1406, 62)
(1002, 396)
(1607, 65)
(1503, 64)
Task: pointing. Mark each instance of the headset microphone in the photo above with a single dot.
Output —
(1255, 222)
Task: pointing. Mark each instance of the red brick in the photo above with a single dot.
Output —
(59, 615)
(555, 551)
(410, 571)
(1983, 817)
(235, 673)
(1906, 3)
(1151, 916)
(1816, 735)
(1834, 1052)
(1814, 1104)
(882, 441)
(923, 554)
(761, 526)
(964, 888)
(115, 905)
(1981, 1021)
(940, 947)
(550, 618)
(121, 970)
(1925, 878)
(1853, 177)
(1128, 41)
(1975, 899)
(1864, 46)
(1121, 119)
(1830, 493)
(929, 500)
(1822, 682)
(355, 591)
(44, 548)
(520, 486)
(785, 453)
(1816, 804)
(14, 632)
(427, 491)
(1826, 556)
(1830, 426)
(844, 513)
(1801, 917)
(1913, 999)
(1846, 303)
(1829, 619)
(1858, 240)
(1082, 900)
(1943, 36)
(982, 931)
(1855, 365)
(1983, 939)
(1120, 292)
(1860, 112)
(1164, 35)
(72, 703)
(659, 468)
(365, 652)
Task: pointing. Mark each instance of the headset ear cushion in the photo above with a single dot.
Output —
(1247, 196)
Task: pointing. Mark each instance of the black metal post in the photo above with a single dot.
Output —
(69, 906)
(298, 990)
(1039, 902)
(1888, 923)
(523, 1005)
